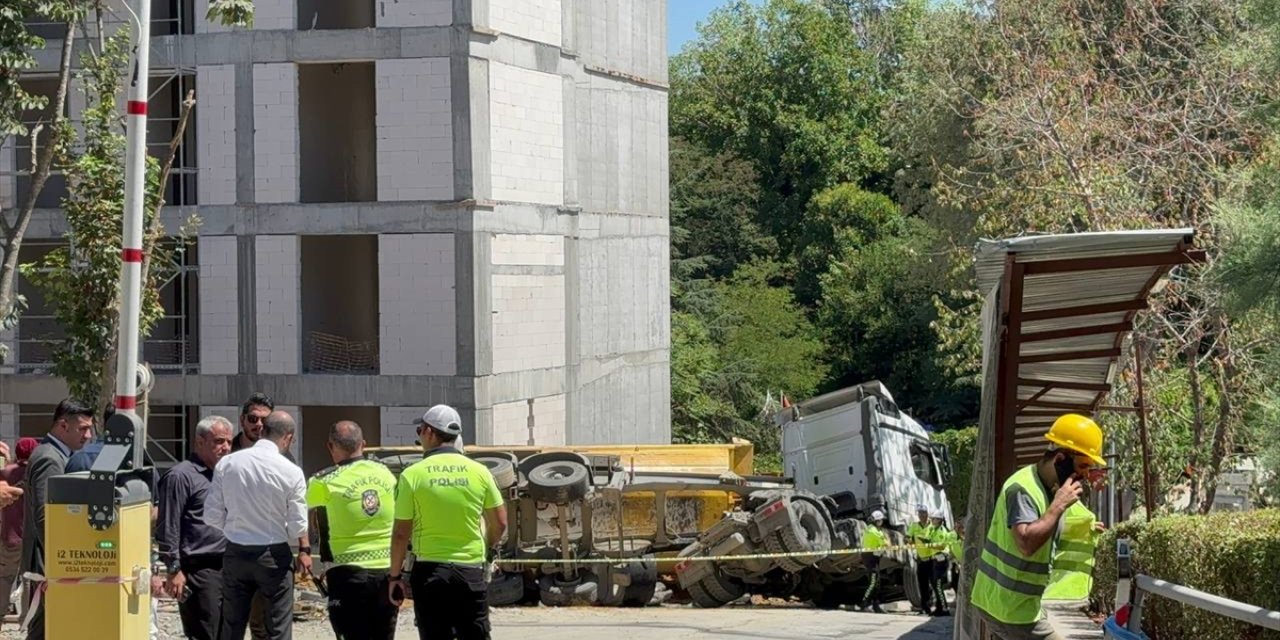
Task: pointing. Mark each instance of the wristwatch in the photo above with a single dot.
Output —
(302, 550)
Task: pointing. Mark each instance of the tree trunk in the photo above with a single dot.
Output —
(13, 235)
(1225, 375)
(1192, 354)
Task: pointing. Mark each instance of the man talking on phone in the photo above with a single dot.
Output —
(1013, 571)
(450, 507)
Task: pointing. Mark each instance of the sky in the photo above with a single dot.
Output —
(682, 20)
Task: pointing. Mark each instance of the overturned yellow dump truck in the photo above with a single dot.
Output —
(598, 524)
(623, 492)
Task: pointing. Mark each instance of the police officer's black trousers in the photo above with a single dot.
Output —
(450, 601)
(924, 579)
(359, 608)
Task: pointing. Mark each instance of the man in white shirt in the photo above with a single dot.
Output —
(258, 501)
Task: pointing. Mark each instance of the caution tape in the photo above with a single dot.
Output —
(686, 559)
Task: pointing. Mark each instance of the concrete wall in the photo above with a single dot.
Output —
(278, 286)
(414, 13)
(315, 453)
(275, 137)
(336, 136)
(417, 307)
(219, 306)
(414, 129)
(623, 35)
(216, 134)
(528, 330)
(276, 14)
(511, 422)
(537, 20)
(526, 112)
(397, 425)
(621, 137)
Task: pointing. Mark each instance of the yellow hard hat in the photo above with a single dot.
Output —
(1078, 433)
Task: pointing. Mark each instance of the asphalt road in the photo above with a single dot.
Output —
(682, 622)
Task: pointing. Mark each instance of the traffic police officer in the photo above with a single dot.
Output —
(451, 508)
(352, 505)
(873, 541)
(920, 534)
(1016, 557)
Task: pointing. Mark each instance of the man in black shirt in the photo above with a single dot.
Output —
(191, 550)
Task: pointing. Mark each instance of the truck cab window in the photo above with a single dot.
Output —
(925, 467)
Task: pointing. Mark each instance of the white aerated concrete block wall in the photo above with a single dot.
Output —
(416, 304)
(528, 330)
(397, 425)
(515, 249)
(204, 25)
(414, 13)
(219, 305)
(275, 135)
(276, 14)
(216, 134)
(526, 116)
(511, 422)
(414, 129)
(231, 413)
(278, 284)
(538, 20)
(9, 425)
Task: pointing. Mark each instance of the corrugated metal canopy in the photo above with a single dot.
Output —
(1067, 308)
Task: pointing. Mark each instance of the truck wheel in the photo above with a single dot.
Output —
(723, 587)
(557, 592)
(644, 581)
(506, 589)
(910, 585)
(504, 473)
(558, 482)
(808, 533)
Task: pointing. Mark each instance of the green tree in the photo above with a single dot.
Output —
(785, 88)
(960, 445)
(81, 278)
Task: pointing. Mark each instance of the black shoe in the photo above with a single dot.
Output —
(875, 608)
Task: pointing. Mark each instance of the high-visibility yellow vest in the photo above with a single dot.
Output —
(955, 545)
(921, 538)
(872, 538)
(1071, 572)
(1008, 585)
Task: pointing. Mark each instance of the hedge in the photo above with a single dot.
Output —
(1102, 598)
(1233, 555)
(960, 444)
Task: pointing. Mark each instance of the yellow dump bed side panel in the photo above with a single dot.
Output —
(737, 457)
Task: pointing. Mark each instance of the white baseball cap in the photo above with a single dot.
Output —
(877, 515)
(442, 418)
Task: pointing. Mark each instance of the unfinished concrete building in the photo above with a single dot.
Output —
(402, 203)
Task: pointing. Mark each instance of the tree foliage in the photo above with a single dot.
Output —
(81, 278)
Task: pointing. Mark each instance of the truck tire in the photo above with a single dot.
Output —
(504, 473)
(911, 586)
(808, 533)
(644, 581)
(557, 592)
(538, 459)
(505, 590)
(558, 482)
(715, 591)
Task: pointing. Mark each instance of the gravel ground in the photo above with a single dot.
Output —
(652, 623)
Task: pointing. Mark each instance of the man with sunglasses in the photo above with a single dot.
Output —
(1014, 569)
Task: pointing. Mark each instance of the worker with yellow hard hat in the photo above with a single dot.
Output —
(1014, 568)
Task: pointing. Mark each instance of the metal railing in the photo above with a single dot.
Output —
(1251, 614)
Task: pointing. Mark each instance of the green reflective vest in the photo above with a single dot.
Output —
(872, 538)
(921, 536)
(1071, 576)
(1008, 585)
